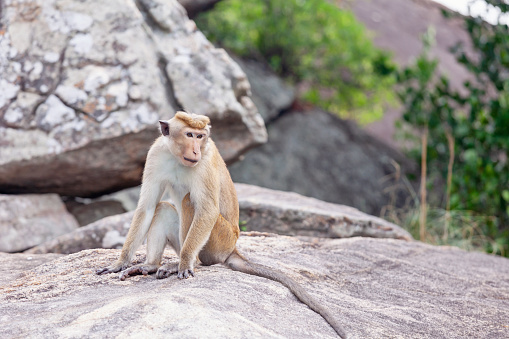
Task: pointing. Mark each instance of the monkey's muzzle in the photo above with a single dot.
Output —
(191, 160)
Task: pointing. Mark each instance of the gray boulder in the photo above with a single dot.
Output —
(271, 94)
(109, 232)
(378, 288)
(193, 7)
(261, 209)
(267, 210)
(29, 220)
(316, 154)
(87, 213)
(14, 265)
(408, 21)
(83, 84)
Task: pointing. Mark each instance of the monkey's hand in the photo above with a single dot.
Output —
(116, 267)
(186, 267)
(186, 273)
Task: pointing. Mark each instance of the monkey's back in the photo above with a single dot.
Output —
(228, 202)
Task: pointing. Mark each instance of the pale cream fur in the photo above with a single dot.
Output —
(203, 227)
(205, 182)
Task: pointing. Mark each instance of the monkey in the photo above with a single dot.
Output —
(203, 226)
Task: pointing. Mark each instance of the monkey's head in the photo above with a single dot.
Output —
(187, 136)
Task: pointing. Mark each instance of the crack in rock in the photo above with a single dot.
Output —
(52, 90)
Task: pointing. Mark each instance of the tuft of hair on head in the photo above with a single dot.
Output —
(193, 120)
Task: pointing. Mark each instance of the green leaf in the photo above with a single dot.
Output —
(505, 195)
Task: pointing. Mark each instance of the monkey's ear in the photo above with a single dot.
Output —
(165, 127)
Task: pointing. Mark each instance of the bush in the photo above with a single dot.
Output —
(312, 42)
(469, 131)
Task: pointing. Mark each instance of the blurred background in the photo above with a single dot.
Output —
(397, 108)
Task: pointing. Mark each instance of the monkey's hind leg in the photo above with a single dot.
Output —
(169, 217)
(163, 230)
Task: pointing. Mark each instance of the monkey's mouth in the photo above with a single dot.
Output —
(190, 160)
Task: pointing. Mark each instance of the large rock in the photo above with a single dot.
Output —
(83, 84)
(194, 7)
(267, 210)
(15, 264)
(261, 209)
(378, 288)
(87, 213)
(408, 21)
(271, 94)
(109, 232)
(317, 154)
(29, 220)
(205, 79)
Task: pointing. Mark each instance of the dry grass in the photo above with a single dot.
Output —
(452, 228)
(463, 229)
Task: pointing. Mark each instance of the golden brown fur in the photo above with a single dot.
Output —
(193, 120)
(204, 226)
(222, 239)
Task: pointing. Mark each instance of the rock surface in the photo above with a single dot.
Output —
(83, 84)
(29, 220)
(267, 210)
(317, 154)
(205, 79)
(261, 209)
(408, 21)
(378, 288)
(15, 264)
(193, 7)
(87, 213)
(271, 94)
(109, 232)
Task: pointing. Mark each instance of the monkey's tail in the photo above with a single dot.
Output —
(238, 263)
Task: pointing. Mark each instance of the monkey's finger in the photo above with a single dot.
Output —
(165, 272)
(102, 271)
(128, 272)
(106, 270)
(185, 274)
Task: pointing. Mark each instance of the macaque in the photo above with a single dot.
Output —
(203, 226)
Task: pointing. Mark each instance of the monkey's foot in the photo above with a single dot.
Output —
(166, 270)
(117, 267)
(138, 269)
(184, 274)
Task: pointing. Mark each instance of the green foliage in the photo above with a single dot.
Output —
(477, 119)
(242, 225)
(313, 42)
(463, 229)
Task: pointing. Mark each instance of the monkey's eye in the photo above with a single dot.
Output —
(190, 135)
(199, 136)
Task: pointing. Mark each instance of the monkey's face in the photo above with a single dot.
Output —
(187, 136)
(190, 143)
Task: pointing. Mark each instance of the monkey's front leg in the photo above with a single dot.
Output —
(163, 229)
(139, 227)
(196, 238)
